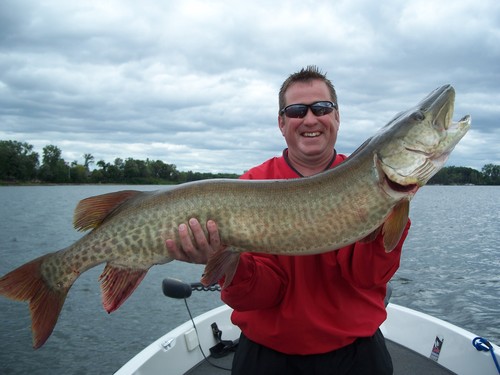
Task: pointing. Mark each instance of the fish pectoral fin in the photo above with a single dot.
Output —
(395, 224)
(222, 263)
(91, 212)
(371, 237)
(118, 283)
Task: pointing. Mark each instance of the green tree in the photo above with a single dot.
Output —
(458, 176)
(102, 164)
(162, 171)
(116, 171)
(136, 171)
(491, 173)
(98, 175)
(18, 161)
(79, 173)
(88, 160)
(53, 168)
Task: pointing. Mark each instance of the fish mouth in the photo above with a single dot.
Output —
(390, 185)
(399, 188)
(456, 130)
(430, 162)
(419, 147)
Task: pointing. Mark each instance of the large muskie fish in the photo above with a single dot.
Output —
(369, 192)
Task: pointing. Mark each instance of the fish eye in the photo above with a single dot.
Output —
(418, 116)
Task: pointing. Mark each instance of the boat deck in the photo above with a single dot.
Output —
(404, 361)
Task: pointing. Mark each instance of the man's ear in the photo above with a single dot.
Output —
(281, 124)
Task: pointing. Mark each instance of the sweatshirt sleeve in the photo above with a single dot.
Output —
(259, 283)
(367, 265)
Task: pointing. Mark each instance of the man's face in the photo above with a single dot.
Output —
(312, 137)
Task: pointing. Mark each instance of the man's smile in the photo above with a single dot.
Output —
(311, 134)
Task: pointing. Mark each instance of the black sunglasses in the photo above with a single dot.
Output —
(300, 110)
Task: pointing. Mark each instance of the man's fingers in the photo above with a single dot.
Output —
(194, 245)
(174, 251)
(184, 235)
(198, 235)
(213, 234)
(185, 251)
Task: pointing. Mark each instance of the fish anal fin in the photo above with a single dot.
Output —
(27, 284)
(223, 263)
(395, 224)
(117, 284)
(91, 212)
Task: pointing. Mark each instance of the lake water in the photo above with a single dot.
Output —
(450, 268)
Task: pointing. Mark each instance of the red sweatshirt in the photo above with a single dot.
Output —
(315, 303)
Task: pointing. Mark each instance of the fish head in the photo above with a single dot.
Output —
(414, 146)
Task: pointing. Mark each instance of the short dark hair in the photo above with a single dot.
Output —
(307, 74)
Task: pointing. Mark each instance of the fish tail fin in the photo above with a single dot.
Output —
(223, 263)
(118, 283)
(26, 283)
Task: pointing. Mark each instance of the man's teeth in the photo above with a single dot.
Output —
(315, 134)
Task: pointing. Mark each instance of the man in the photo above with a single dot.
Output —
(315, 314)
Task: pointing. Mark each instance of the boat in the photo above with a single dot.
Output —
(418, 343)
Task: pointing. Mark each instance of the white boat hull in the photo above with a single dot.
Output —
(178, 351)
(419, 332)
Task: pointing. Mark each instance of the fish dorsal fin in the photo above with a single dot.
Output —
(395, 224)
(91, 212)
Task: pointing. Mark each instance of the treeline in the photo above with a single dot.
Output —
(489, 175)
(19, 163)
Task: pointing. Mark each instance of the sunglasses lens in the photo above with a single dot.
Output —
(296, 111)
(300, 110)
(321, 108)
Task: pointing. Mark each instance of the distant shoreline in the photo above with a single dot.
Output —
(10, 183)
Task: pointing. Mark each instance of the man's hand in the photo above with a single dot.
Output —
(199, 250)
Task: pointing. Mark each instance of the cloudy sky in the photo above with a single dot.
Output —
(195, 83)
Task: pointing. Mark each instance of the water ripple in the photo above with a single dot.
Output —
(449, 269)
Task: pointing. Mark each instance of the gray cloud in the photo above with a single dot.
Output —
(195, 84)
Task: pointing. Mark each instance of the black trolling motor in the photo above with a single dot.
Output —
(175, 288)
(178, 289)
